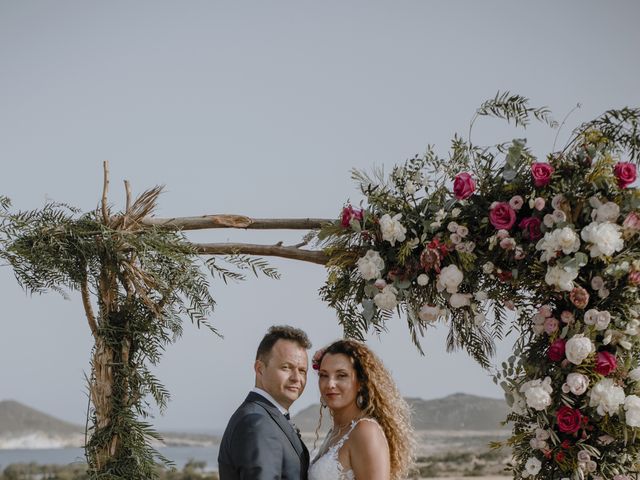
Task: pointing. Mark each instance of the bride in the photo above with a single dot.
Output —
(371, 437)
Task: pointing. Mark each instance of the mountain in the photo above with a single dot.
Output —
(25, 427)
(456, 412)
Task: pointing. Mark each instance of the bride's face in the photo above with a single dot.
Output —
(338, 381)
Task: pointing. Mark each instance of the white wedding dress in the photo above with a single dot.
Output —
(327, 466)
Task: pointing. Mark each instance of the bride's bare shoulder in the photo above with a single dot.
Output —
(368, 434)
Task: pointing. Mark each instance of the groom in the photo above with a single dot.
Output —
(259, 442)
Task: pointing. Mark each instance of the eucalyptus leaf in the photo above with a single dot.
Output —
(370, 290)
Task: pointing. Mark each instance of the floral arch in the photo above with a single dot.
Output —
(440, 239)
(556, 242)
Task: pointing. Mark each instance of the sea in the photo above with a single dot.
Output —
(66, 456)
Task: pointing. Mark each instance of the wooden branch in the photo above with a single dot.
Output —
(236, 221)
(293, 253)
(105, 190)
(88, 310)
(127, 188)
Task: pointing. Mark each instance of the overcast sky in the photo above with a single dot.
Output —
(261, 109)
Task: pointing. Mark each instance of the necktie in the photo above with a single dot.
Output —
(287, 416)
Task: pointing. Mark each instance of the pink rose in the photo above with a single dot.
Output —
(567, 317)
(348, 214)
(502, 216)
(531, 225)
(463, 186)
(551, 325)
(556, 350)
(541, 173)
(634, 278)
(579, 297)
(538, 203)
(625, 173)
(605, 363)
(516, 202)
(632, 221)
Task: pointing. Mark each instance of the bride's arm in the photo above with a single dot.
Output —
(369, 452)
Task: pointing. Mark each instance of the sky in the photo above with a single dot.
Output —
(262, 109)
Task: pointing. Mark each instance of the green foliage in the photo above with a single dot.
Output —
(145, 281)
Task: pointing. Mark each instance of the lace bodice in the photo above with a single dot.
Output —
(327, 466)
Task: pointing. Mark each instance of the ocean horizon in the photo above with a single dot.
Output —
(68, 456)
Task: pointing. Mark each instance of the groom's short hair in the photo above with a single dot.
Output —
(280, 332)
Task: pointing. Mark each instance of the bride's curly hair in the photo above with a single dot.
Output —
(379, 398)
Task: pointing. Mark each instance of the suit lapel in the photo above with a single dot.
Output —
(282, 422)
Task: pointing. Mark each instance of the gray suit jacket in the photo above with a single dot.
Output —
(259, 443)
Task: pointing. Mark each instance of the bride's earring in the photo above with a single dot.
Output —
(361, 400)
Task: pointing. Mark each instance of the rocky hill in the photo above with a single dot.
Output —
(24, 427)
(457, 412)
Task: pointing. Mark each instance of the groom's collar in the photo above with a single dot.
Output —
(271, 400)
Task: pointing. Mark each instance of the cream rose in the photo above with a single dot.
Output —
(391, 228)
(370, 265)
(578, 348)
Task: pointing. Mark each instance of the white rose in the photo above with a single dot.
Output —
(561, 278)
(370, 265)
(599, 319)
(423, 279)
(488, 267)
(542, 434)
(557, 201)
(429, 313)
(606, 396)
(537, 393)
(607, 212)
(567, 240)
(634, 375)
(532, 467)
(578, 348)
(479, 319)
(633, 327)
(548, 220)
(605, 238)
(391, 228)
(559, 216)
(576, 383)
(458, 300)
(386, 299)
(462, 231)
(632, 407)
(449, 279)
(583, 456)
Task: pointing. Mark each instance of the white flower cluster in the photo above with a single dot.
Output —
(561, 278)
(539, 442)
(386, 299)
(600, 320)
(537, 393)
(632, 407)
(449, 279)
(429, 313)
(605, 238)
(532, 467)
(604, 212)
(578, 348)
(576, 383)
(391, 228)
(563, 240)
(606, 396)
(370, 265)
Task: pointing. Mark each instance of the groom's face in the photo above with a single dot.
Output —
(284, 373)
